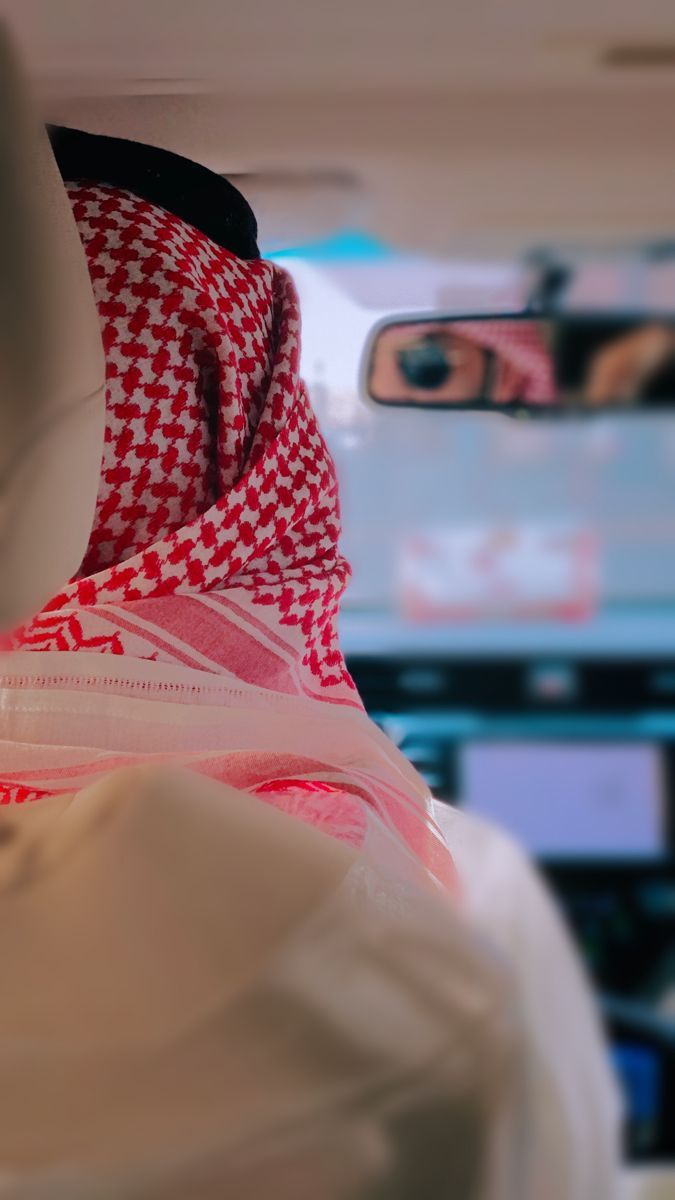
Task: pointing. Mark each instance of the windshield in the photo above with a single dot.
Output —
(477, 532)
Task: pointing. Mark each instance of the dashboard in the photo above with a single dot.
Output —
(576, 758)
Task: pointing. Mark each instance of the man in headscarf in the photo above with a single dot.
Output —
(202, 993)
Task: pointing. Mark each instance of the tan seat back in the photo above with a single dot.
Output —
(52, 367)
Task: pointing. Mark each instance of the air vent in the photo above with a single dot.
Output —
(647, 56)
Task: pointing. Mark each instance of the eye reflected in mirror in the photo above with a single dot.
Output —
(515, 363)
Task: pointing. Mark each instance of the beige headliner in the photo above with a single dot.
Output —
(485, 123)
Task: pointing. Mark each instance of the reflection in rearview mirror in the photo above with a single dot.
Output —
(514, 362)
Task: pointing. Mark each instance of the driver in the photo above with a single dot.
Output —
(460, 362)
(202, 993)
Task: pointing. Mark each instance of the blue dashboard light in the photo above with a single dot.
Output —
(639, 1068)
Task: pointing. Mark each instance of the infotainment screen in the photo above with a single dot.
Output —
(563, 799)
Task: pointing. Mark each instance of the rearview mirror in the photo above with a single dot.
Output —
(517, 363)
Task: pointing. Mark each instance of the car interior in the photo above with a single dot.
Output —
(475, 203)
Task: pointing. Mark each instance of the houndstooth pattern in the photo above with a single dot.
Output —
(215, 474)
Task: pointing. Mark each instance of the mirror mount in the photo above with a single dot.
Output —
(550, 281)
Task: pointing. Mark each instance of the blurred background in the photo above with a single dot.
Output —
(511, 618)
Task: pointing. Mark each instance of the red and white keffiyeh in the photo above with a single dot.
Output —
(202, 626)
(519, 343)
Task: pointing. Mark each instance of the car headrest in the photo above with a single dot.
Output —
(52, 366)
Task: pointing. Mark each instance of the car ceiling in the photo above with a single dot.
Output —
(439, 126)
